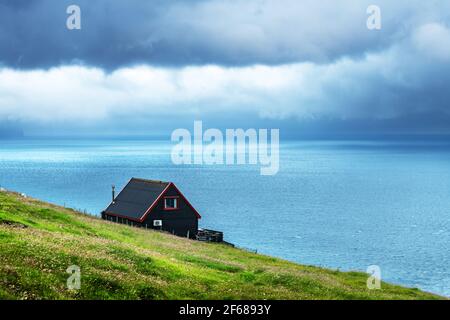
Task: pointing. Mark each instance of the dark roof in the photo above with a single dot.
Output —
(136, 198)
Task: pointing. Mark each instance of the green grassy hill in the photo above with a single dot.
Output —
(39, 241)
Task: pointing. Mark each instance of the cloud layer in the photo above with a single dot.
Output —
(279, 61)
(117, 33)
(383, 85)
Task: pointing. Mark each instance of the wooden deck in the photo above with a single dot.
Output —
(209, 235)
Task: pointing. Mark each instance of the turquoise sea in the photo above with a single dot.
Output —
(338, 204)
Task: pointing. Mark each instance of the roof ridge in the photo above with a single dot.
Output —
(151, 181)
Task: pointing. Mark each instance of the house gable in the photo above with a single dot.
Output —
(184, 208)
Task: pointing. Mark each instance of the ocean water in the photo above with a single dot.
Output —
(338, 204)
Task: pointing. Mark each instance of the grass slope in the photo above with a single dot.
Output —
(38, 241)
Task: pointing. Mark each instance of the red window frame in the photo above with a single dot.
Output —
(177, 203)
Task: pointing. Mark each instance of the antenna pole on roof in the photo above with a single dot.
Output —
(113, 192)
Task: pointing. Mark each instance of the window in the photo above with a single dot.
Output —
(170, 203)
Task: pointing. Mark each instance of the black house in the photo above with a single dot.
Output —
(154, 204)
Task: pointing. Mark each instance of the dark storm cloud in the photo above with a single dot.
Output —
(117, 33)
(33, 34)
(306, 67)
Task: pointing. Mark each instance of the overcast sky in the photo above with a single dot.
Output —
(146, 67)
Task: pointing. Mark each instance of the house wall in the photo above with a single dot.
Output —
(178, 221)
